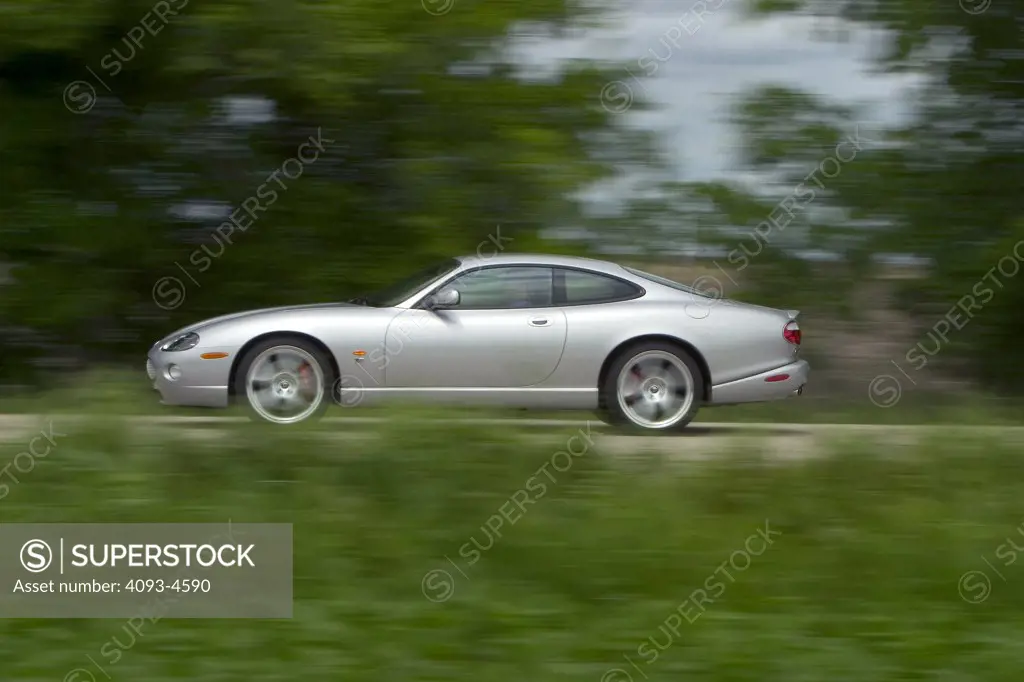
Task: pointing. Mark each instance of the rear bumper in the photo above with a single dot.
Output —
(789, 381)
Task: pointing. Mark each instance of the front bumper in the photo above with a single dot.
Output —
(789, 382)
(201, 383)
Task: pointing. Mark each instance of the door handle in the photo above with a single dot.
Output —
(539, 322)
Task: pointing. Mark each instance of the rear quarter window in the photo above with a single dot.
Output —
(582, 287)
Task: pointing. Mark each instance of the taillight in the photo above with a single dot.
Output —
(791, 332)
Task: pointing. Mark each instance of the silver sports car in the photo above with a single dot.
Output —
(530, 331)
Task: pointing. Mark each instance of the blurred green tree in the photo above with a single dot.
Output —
(944, 186)
(131, 130)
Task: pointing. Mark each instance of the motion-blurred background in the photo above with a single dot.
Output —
(857, 160)
(163, 162)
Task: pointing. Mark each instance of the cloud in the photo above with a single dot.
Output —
(726, 56)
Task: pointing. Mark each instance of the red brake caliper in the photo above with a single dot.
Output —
(635, 371)
(306, 379)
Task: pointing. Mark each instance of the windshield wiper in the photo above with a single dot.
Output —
(359, 300)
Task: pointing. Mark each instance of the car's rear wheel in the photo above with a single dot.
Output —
(652, 386)
(285, 380)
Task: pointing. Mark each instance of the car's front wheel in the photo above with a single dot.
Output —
(652, 386)
(285, 380)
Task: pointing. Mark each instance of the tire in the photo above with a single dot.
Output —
(285, 380)
(666, 385)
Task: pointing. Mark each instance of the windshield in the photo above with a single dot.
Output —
(667, 282)
(398, 292)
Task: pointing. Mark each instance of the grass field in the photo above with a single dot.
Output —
(126, 393)
(597, 577)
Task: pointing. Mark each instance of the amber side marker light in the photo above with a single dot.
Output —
(213, 356)
(359, 353)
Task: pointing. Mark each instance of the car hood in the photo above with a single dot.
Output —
(252, 313)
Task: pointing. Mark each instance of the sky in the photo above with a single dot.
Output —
(692, 59)
(701, 63)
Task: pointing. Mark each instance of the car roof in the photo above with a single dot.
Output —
(542, 259)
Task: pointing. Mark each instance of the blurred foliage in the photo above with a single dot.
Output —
(433, 139)
(441, 141)
(860, 581)
(112, 390)
(942, 186)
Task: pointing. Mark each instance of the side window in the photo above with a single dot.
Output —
(590, 287)
(505, 287)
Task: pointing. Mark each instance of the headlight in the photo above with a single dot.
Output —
(184, 342)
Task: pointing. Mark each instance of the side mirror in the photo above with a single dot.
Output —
(446, 298)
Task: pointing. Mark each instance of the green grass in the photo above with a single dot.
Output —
(958, 410)
(113, 391)
(860, 585)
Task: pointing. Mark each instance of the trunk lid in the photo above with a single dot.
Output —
(789, 314)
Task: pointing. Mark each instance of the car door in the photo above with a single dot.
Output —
(504, 333)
